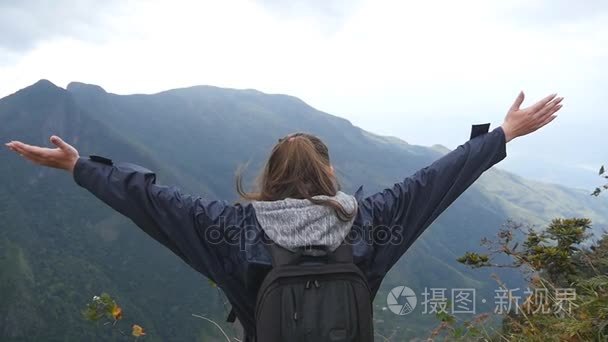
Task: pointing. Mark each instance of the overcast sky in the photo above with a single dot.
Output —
(419, 70)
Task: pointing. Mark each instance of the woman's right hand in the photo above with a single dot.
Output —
(63, 157)
(520, 122)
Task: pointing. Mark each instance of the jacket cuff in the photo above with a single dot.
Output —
(78, 170)
(502, 147)
(84, 168)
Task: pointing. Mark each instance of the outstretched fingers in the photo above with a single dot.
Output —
(33, 153)
(549, 115)
(548, 109)
(542, 103)
(20, 148)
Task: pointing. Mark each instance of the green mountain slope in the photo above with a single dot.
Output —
(60, 246)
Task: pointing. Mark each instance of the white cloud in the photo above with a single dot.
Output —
(422, 71)
(24, 23)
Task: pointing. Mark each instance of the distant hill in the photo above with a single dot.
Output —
(59, 246)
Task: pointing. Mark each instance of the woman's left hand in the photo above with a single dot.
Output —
(63, 157)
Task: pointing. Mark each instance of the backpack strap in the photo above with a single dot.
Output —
(342, 254)
(231, 316)
(282, 256)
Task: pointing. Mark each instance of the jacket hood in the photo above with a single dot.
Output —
(293, 223)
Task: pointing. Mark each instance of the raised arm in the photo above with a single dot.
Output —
(409, 207)
(178, 221)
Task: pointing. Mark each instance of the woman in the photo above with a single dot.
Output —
(298, 205)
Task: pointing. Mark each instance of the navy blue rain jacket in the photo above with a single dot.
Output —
(224, 241)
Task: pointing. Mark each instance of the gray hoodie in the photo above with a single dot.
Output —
(293, 223)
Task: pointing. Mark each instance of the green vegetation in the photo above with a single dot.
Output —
(104, 307)
(599, 190)
(567, 291)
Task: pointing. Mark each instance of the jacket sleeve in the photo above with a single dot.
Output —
(398, 215)
(192, 227)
